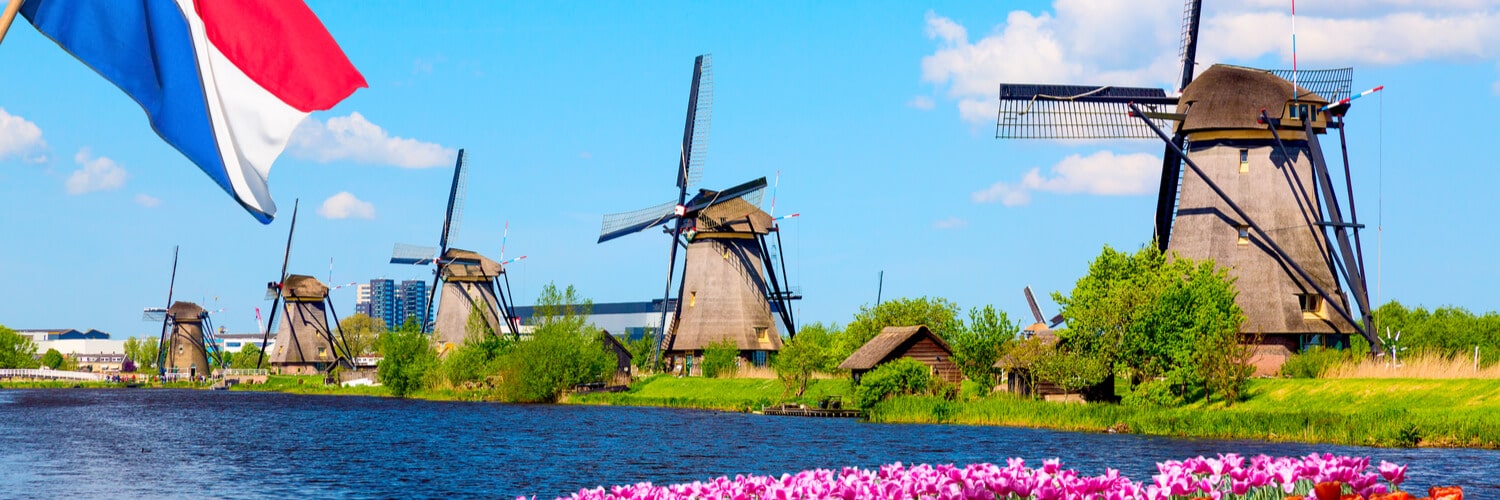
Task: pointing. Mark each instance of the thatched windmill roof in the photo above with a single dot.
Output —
(880, 348)
(485, 269)
(1231, 97)
(735, 215)
(185, 312)
(303, 287)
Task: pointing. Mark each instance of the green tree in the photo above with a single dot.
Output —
(478, 358)
(52, 359)
(408, 357)
(721, 359)
(142, 352)
(361, 333)
(16, 351)
(246, 358)
(978, 345)
(814, 350)
(896, 377)
(1157, 318)
(642, 349)
(564, 350)
(940, 316)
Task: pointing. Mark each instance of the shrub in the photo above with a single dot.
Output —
(902, 376)
(720, 359)
(1311, 363)
(52, 359)
(1152, 393)
(564, 350)
(408, 357)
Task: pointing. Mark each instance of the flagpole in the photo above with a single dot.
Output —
(11, 9)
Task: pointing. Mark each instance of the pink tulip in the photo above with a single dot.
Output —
(1395, 474)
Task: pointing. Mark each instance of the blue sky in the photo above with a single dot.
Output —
(878, 115)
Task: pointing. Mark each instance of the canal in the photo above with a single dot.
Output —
(141, 443)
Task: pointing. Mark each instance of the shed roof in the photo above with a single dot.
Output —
(881, 347)
(1231, 97)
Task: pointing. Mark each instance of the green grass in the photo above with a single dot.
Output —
(1401, 412)
(58, 384)
(308, 384)
(729, 394)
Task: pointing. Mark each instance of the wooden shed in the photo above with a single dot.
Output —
(622, 356)
(915, 342)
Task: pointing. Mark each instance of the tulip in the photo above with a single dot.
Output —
(1394, 474)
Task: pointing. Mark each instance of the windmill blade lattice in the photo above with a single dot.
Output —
(700, 121)
(623, 223)
(1030, 111)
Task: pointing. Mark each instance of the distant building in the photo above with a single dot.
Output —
(630, 319)
(236, 342)
(393, 302)
(362, 300)
(413, 298)
(43, 335)
(915, 342)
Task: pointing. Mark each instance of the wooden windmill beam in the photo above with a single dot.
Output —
(1261, 233)
(1171, 161)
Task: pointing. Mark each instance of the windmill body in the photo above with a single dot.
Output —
(303, 345)
(464, 285)
(186, 349)
(724, 284)
(1274, 187)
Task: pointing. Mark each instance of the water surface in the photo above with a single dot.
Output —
(153, 443)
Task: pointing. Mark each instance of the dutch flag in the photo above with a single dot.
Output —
(223, 81)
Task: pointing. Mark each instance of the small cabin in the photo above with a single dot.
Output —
(915, 342)
(622, 356)
(1018, 378)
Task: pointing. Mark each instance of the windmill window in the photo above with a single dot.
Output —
(1244, 161)
(692, 299)
(1312, 305)
(322, 352)
(1244, 237)
(761, 335)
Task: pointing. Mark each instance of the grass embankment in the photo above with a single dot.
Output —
(729, 394)
(308, 384)
(1384, 412)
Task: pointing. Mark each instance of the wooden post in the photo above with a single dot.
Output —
(11, 9)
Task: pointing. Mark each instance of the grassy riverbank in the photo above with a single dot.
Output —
(1400, 412)
(733, 394)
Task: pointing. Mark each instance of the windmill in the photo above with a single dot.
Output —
(187, 348)
(305, 344)
(1041, 325)
(1256, 195)
(468, 278)
(729, 289)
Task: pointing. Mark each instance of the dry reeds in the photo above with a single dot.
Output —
(1422, 364)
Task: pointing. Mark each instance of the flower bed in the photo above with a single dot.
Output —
(1321, 477)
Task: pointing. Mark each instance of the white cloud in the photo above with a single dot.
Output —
(1136, 43)
(1102, 173)
(921, 102)
(20, 138)
(344, 206)
(355, 139)
(146, 200)
(96, 174)
(951, 223)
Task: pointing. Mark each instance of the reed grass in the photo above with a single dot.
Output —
(1369, 412)
(1424, 364)
(727, 394)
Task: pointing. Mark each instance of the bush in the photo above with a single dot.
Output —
(408, 357)
(52, 359)
(1311, 363)
(899, 377)
(721, 359)
(564, 350)
(1152, 393)
(16, 351)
